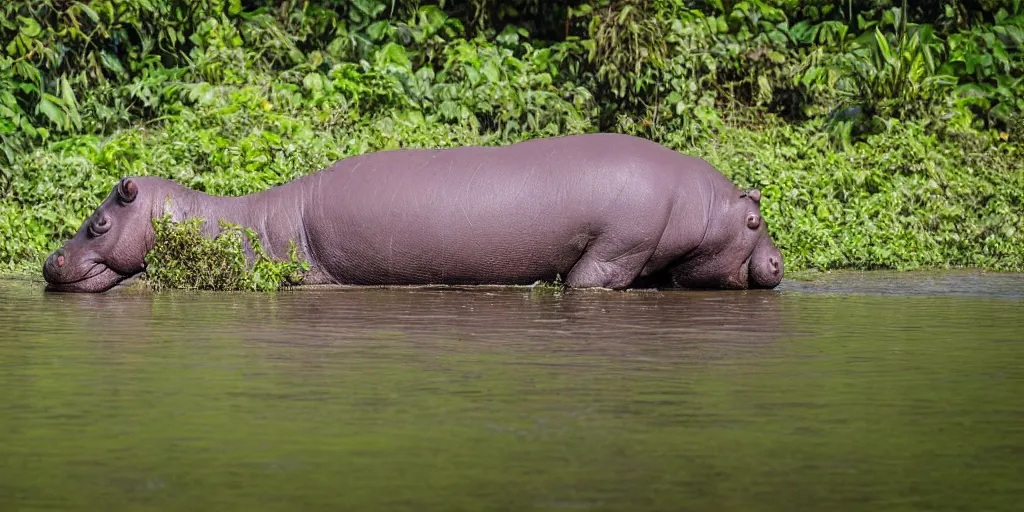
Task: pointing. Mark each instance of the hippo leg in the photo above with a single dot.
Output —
(606, 265)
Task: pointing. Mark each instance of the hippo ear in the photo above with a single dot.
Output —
(754, 194)
(127, 190)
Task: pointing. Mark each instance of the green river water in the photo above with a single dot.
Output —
(855, 391)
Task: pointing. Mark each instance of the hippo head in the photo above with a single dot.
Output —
(737, 252)
(109, 247)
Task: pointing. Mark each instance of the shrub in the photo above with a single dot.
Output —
(184, 258)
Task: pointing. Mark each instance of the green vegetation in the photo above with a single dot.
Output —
(184, 258)
(885, 134)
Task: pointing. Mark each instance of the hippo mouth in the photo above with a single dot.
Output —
(748, 277)
(741, 280)
(745, 271)
(99, 278)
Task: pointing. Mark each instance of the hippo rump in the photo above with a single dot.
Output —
(597, 210)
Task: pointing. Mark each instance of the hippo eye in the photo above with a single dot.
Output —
(753, 221)
(100, 225)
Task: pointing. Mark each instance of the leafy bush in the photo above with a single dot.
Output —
(184, 258)
(902, 199)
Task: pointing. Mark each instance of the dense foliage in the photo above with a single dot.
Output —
(186, 259)
(884, 133)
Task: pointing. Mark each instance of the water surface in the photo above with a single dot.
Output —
(855, 391)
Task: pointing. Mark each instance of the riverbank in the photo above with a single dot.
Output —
(903, 199)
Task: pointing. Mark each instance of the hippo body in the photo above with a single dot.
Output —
(597, 210)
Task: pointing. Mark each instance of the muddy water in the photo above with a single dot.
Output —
(853, 392)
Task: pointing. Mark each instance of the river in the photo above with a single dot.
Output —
(852, 391)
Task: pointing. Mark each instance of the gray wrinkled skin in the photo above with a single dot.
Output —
(599, 210)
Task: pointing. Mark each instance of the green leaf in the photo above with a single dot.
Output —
(395, 54)
(377, 30)
(722, 26)
(88, 12)
(111, 62)
(66, 94)
(764, 87)
(811, 76)
(491, 71)
(369, 8)
(54, 114)
(313, 82)
(70, 103)
(29, 27)
(431, 18)
(53, 99)
(883, 45)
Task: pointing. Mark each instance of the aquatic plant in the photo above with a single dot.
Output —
(184, 258)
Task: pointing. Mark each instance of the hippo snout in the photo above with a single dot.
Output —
(54, 264)
(78, 271)
(58, 257)
(766, 267)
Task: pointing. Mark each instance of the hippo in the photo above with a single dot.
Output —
(596, 210)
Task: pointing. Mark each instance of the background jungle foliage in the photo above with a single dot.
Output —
(884, 133)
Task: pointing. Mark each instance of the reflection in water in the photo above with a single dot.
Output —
(851, 392)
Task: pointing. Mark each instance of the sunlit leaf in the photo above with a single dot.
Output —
(93, 16)
(29, 27)
(111, 62)
(51, 111)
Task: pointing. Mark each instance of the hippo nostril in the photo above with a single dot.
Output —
(59, 256)
(774, 262)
